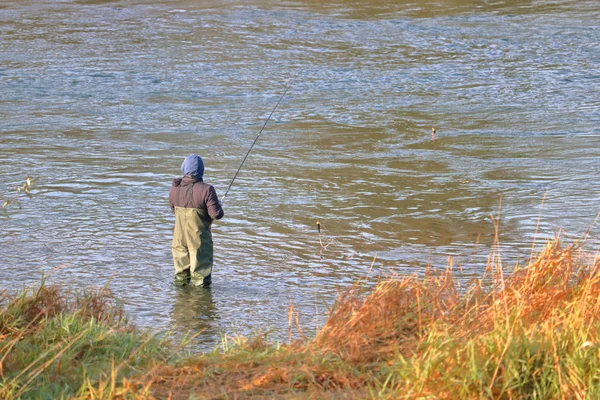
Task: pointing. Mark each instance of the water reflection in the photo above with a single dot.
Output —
(194, 311)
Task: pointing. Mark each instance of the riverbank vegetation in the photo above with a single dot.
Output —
(534, 333)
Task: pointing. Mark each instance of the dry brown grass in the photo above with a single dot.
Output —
(533, 334)
(46, 302)
(423, 337)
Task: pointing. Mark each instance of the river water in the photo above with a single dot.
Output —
(100, 101)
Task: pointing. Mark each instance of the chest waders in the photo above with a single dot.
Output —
(192, 247)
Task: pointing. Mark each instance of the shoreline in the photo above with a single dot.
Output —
(533, 333)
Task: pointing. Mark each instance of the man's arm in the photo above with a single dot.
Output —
(215, 211)
(171, 195)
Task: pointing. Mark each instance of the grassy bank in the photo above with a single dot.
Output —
(56, 343)
(534, 334)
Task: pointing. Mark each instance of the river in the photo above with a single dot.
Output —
(100, 101)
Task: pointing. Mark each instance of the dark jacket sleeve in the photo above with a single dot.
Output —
(212, 204)
(171, 197)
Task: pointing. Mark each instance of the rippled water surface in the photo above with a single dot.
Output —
(101, 101)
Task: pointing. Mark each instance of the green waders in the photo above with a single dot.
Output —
(192, 247)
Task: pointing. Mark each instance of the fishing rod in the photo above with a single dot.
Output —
(289, 85)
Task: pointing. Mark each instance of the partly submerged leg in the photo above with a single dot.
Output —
(181, 254)
(201, 260)
(181, 260)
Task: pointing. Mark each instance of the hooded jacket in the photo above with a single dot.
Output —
(191, 191)
(193, 165)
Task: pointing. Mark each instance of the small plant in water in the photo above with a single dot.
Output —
(24, 189)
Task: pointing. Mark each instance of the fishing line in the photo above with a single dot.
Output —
(289, 85)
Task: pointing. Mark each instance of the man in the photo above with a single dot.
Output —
(196, 206)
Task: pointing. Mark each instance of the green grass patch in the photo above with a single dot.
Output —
(58, 344)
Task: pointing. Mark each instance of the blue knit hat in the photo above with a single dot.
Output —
(193, 165)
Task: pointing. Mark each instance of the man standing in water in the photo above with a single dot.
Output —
(196, 206)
